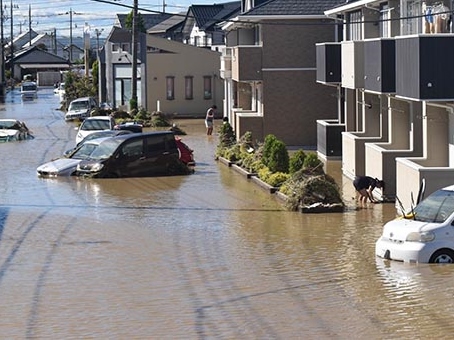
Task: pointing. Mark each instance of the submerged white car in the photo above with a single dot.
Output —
(425, 235)
(13, 129)
(66, 166)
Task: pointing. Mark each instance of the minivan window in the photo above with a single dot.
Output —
(435, 208)
(105, 149)
(155, 143)
(84, 151)
(133, 148)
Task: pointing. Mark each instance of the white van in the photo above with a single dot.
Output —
(80, 108)
(424, 235)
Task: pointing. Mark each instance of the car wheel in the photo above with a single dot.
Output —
(442, 256)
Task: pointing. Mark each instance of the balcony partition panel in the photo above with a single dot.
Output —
(380, 65)
(328, 63)
(425, 68)
(352, 61)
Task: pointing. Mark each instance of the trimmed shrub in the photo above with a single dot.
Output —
(297, 161)
(311, 161)
(277, 178)
(267, 147)
(226, 135)
(278, 160)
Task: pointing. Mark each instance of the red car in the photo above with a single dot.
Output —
(186, 153)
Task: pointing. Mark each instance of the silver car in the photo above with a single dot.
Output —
(66, 166)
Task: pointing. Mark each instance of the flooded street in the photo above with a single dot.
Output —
(205, 256)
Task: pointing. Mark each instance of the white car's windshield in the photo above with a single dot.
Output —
(82, 105)
(95, 124)
(435, 208)
(105, 149)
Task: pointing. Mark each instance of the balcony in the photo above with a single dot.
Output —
(380, 65)
(424, 67)
(352, 60)
(247, 63)
(328, 63)
(226, 64)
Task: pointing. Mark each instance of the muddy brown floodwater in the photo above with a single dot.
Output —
(205, 256)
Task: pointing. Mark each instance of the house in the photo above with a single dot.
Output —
(169, 28)
(396, 77)
(172, 77)
(201, 27)
(269, 70)
(34, 60)
(115, 67)
(182, 78)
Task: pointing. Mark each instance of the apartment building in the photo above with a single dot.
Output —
(393, 68)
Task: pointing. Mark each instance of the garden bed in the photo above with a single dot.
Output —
(264, 185)
(243, 171)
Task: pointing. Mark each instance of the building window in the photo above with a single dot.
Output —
(115, 48)
(188, 87)
(207, 88)
(355, 31)
(125, 47)
(411, 9)
(385, 16)
(170, 88)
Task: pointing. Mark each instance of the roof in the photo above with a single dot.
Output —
(35, 55)
(293, 7)
(149, 20)
(171, 23)
(208, 15)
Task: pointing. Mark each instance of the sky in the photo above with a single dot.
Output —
(99, 15)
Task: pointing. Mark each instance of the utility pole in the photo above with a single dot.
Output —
(87, 48)
(12, 46)
(2, 85)
(30, 24)
(134, 102)
(98, 33)
(70, 35)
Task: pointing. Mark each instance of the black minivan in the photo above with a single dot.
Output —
(134, 155)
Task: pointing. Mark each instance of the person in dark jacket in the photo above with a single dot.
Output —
(365, 185)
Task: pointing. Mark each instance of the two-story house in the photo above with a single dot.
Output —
(269, 70)
(172, 77)
(396, 71)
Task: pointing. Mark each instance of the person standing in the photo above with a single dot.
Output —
(209, 119)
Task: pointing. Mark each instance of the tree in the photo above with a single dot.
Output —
(140, 22)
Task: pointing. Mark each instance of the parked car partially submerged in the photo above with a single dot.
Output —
(423, 235)
(135, 155)
(80, 108)
(95, 135)
(66, 166)
(130, 126)
(94, 124)
(13, 130)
